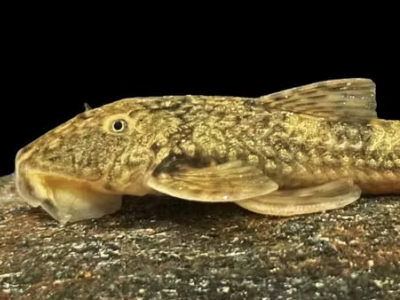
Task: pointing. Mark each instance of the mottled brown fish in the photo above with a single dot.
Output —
(304, 150)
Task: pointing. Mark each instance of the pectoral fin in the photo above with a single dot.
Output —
(332, 195)
(227, 182)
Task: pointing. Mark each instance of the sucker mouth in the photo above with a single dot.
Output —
(29, 188)
(29, 194)
(22, 183)
(51, 209)
(64, 200)
(25, 190)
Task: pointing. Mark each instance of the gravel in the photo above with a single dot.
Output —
(164, 248)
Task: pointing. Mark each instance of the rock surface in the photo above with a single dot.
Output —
(164, 248)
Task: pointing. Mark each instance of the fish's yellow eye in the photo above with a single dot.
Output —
(118, 125)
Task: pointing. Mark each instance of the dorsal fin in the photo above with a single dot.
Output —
(349, 100)
(87, 106)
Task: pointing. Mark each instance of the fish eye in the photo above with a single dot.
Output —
(119, 125)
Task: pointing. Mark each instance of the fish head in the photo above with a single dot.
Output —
(75, 170)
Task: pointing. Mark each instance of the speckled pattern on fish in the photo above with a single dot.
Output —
(303, 150)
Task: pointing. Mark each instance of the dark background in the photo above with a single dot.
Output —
(42, 89)
(55, 59)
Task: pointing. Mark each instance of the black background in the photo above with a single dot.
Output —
(44, 85)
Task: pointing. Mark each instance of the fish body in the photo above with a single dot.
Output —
(303, 150)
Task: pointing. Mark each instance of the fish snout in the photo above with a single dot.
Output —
(23, 180)
(25, 189)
